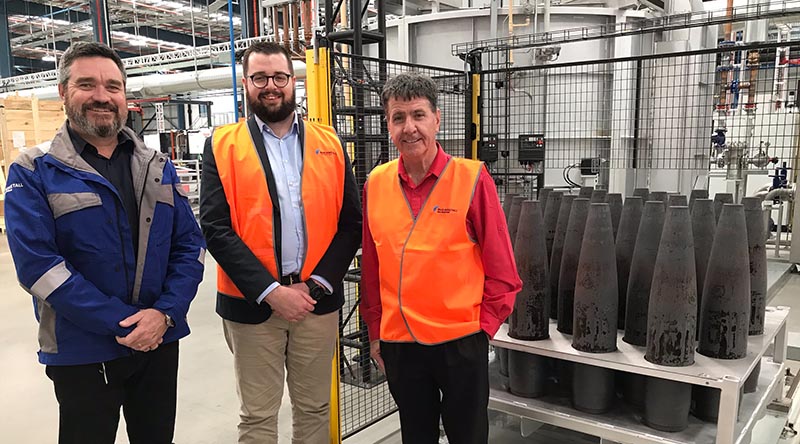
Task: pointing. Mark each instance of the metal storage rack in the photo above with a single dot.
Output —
(189, 175)
(623, 424)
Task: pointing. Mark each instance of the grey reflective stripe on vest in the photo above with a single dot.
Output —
(50, 281)
(47, 327)
(64, 203)
(202, 257)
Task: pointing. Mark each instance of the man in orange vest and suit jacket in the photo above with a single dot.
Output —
(280, 210)
(438, 272)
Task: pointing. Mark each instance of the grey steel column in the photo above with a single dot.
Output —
(100, 21)
(6, 59)
(251, 19)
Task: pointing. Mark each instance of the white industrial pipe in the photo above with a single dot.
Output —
(781, 193)
(160, 85)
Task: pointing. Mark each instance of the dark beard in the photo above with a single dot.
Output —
(79, 121)
(269, 115)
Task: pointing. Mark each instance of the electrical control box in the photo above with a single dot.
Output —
(487, 148)
(531, 150)
(590, 166)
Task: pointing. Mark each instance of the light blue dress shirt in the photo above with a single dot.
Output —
(285, 156)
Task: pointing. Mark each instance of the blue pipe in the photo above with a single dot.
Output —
(233, 64)
(52, 14)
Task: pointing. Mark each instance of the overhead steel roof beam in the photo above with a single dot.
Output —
(25, 7)
(219, 50)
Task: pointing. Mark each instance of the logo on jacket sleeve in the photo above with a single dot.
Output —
(11, 186)
(441, 210)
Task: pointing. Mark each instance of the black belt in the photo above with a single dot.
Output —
(290, 279)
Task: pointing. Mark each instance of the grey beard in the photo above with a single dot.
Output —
(79, 121)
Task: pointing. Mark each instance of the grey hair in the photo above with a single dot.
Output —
(408, 86)
(87, 49)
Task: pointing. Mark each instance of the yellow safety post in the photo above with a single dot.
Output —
(476, 113)
(318, 86)
(318, 92)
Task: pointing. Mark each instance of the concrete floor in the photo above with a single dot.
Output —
(207, 405)
(207, 402)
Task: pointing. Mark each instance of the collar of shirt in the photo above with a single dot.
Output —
(123, 140)
(434, 170)
(265, 128)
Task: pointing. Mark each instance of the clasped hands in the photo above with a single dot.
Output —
(148, 333)
(291, 302)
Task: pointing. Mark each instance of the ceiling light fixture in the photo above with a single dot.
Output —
(49, 58)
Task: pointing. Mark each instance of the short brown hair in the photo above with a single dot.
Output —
(87, 49)
(266, 48)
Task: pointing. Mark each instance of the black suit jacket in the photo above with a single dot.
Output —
(239, 262)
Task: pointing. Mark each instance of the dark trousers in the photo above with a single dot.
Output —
(449, 380)
(90, 396)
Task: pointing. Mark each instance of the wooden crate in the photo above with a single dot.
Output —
(26, 122)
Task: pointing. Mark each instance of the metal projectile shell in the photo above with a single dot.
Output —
(721, 199)
(527, 374)
(569, 263)
(756, 240)
(644, 193)
(703, 227)
(558, 250)
(625, 243)
(586, 192)
(661, 196)
(672, 311)
(705, 402)
(551, 218)
(593, 388)
(507, 204)
(696, 194)
(725, 307)
(667, 403)
(542, 196)
(513, 217)
(677, 200)
(596, 295)
(530, 319)
(641, 276)
(614, 201)
(598, 196)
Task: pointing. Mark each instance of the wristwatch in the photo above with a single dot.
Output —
(315, 290)
(168, 320)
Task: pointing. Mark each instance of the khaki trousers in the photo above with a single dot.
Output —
(260, 354)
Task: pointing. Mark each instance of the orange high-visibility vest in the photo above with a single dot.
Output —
(431, 273)
(245, 184)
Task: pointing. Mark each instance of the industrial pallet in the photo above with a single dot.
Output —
(624, 425)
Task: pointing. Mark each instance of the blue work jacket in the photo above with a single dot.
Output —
(73, 250)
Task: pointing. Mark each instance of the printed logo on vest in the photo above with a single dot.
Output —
(324, 152)
(440, 210)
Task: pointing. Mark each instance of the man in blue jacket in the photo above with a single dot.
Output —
(106, 243)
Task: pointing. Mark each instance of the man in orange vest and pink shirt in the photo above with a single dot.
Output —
(438, 272)
(280, 209)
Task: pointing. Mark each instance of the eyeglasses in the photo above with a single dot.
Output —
(280, 80)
